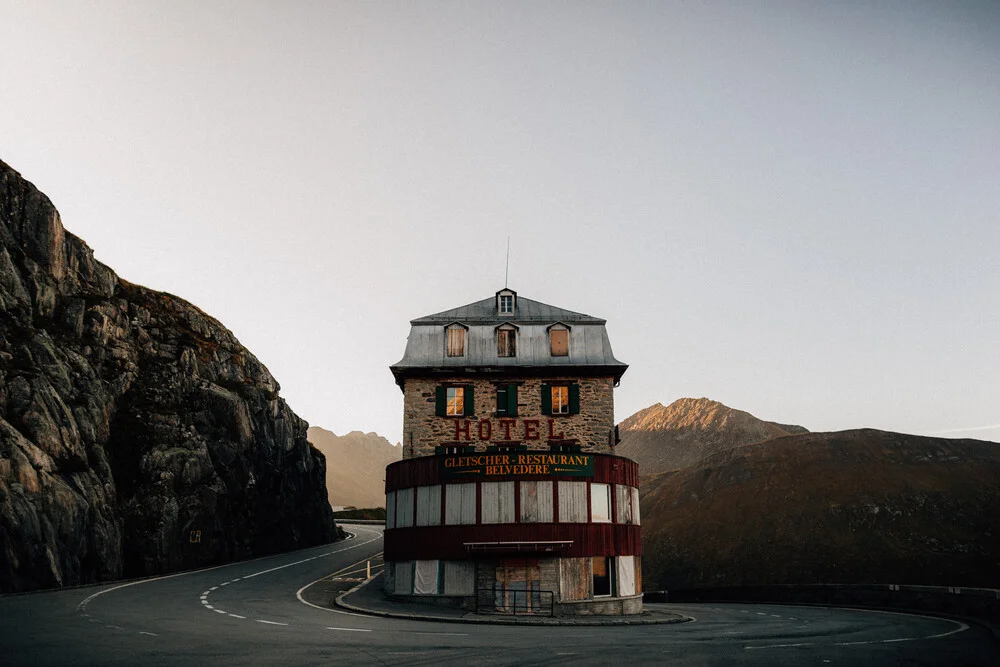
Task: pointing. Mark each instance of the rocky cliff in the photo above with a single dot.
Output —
(358, 480)
(137, 436)
(662, 438)
(851, 507)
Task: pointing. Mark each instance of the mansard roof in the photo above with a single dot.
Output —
(525, 311)
(590, 351)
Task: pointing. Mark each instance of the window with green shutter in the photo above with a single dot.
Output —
(561, 399)
(507, 400)
(454, 401)
(470, 401)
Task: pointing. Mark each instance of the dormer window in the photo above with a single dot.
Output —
(506, 301)
(559, 340)
(455, 340)
(506, 340)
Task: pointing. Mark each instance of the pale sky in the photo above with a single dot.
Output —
(792, 208)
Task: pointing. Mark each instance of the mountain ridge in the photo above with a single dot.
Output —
(661, 438)
(358, 479)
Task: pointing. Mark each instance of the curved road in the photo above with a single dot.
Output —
(251, 613)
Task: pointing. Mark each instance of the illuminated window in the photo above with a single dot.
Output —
(560, 400)
(456, 402)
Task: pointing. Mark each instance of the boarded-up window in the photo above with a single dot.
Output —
(573, 502)
(390, 509)
(536, 502)
(460, 504)
(518, 586)
(638, 573)
(404, 508)
(425, 577)
(625, 575)
(559, 341)
(574, 578)
(624, 500)
(603, 574)
(404, 577)
(459, 577)
(506, 341)
(600, 503)
(456, 340)
(429, 505)
(635, 506)
(498, 502)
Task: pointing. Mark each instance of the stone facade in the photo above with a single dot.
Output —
(423, 430)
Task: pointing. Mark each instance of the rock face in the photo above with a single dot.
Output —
(851, 507)
(137, 436)
(689, 429)
(358, 480)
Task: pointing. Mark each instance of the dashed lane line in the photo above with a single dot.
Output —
(82, 606)
(204, 595)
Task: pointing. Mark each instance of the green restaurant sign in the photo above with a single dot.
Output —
(476, 466)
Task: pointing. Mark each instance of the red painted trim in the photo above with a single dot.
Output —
(448, 542)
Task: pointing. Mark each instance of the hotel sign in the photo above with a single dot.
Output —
(480, 466)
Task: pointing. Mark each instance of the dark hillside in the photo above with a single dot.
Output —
(860, 506)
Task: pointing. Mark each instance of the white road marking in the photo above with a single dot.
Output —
(350, 629)
(270, 622)
(219, 611)
(237, 616)
(116, 627)
(213, 588)
(298, 593)
(208, 606)
(225, 583)
(750, 648)
(151, 634)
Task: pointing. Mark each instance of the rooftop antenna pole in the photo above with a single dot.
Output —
(506, 268)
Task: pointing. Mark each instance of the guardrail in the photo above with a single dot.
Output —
(372, 522)
(514, 602)
(980, 603)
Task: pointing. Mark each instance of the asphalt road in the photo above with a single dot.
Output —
(250, 613)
